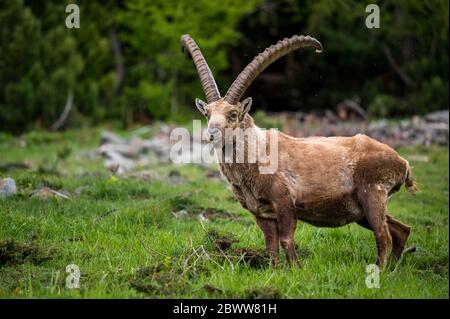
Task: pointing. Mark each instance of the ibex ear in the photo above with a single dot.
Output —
(201, 106)
(245, 107)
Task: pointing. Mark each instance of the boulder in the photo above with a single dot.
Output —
(7, 187)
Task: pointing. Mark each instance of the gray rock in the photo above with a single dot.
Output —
(109, 137)
(117, 163)
(438, 116)
(130, 150)
(7, 187)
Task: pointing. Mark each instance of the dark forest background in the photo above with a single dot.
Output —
(125, 64)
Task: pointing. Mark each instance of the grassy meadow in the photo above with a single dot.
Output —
(128, 238)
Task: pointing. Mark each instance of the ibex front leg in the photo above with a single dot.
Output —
(287, 223)
(270, 229)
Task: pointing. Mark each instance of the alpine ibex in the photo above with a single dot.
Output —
(324, 181)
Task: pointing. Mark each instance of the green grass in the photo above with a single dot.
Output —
(127, 243)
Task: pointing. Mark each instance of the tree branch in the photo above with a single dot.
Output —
(402, 75)
(118, 57)
(63, 117)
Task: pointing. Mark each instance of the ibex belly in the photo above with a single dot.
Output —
(331, 212)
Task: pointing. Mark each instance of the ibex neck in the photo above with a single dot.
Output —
(236, 172)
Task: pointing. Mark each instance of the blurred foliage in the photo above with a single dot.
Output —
(124, 62)
(41, 61)
(160, 78)
(266, 121)
(356, 61)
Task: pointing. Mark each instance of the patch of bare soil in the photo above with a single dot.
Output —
(214, 213)
(221, 242)
(212, 290)
(263, 293)
(254, 258)
(157, 279)
(16, 253)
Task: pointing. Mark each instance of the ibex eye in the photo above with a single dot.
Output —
(233, 117)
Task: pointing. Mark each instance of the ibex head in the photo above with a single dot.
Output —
(229, 112)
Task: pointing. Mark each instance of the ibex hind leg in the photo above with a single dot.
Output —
(399, 233)
(373, 202)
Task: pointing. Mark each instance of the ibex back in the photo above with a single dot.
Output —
(324, 181)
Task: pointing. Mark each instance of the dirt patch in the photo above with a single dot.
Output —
(161, 283)
(249, 293)
(254, 258)
(158, 284)
(221, 241)
(159, 279)
(212, 290)
(16, 253)
(224, 243)
(262, 293)
(441, 269)
(184, 207)
(213, 213)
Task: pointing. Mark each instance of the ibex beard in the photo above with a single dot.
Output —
(326, 182)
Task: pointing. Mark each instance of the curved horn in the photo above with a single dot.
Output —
(206, 78)
(264, 59)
